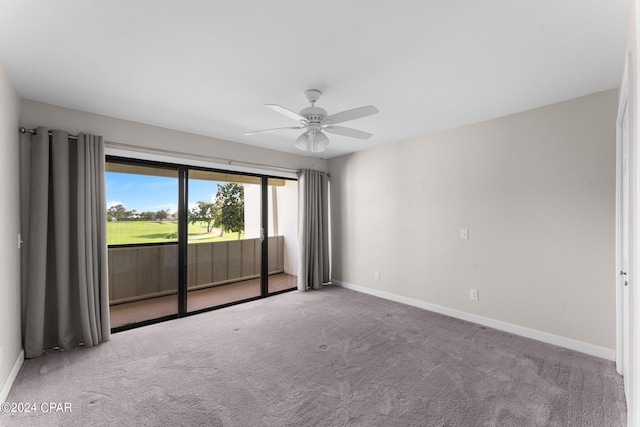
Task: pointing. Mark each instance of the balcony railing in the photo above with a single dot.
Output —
(141, 272)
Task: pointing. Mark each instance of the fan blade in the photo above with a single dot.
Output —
(353, 133)
(292, 115)
(271, 130)
(347, 115)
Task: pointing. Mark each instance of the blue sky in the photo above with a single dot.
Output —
(153, 193)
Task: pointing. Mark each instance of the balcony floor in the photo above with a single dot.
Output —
(139, 311)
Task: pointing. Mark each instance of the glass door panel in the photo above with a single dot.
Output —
(224, 246)
(282, 196)
(142, 235)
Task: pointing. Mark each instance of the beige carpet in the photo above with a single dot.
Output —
(332, 357)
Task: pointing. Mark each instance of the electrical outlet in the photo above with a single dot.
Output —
(376, 275)
(473, 294)
(464, 233)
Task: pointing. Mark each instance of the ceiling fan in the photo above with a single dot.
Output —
(315, 121)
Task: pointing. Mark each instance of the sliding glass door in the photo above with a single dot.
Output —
(184, 239)
(142, 234)
(282, 202)
(225, 246)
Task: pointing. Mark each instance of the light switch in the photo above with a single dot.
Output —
(464, 233)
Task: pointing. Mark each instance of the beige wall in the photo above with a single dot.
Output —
(10, 325)
(535, 189)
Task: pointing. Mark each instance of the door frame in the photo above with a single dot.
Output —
(624, 296)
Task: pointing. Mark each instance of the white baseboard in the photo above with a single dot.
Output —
(11, 378)
(569, 343)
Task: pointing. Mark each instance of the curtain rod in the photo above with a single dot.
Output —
(178, 153)
(198, 157)
(35, 132)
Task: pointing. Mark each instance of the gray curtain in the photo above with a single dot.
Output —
(313, 229)
(65, 299)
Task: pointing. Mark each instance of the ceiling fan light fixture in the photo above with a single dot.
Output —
(302, 143)
(321, 141)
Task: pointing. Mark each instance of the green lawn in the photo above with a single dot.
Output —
(132, 232)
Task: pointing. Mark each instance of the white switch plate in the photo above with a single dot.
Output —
(473, 294)
(464, 233)
(376, 275)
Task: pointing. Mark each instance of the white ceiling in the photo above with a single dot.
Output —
(208, 67)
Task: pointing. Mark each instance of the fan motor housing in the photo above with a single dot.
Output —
(314, 114)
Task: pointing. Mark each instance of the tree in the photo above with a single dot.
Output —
(116, 213)
(148, 216)
(230, 202)
(204, 212)
(162, 215)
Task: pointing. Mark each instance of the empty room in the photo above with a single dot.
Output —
(280, 213)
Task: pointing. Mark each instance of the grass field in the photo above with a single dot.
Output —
(132, 232)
